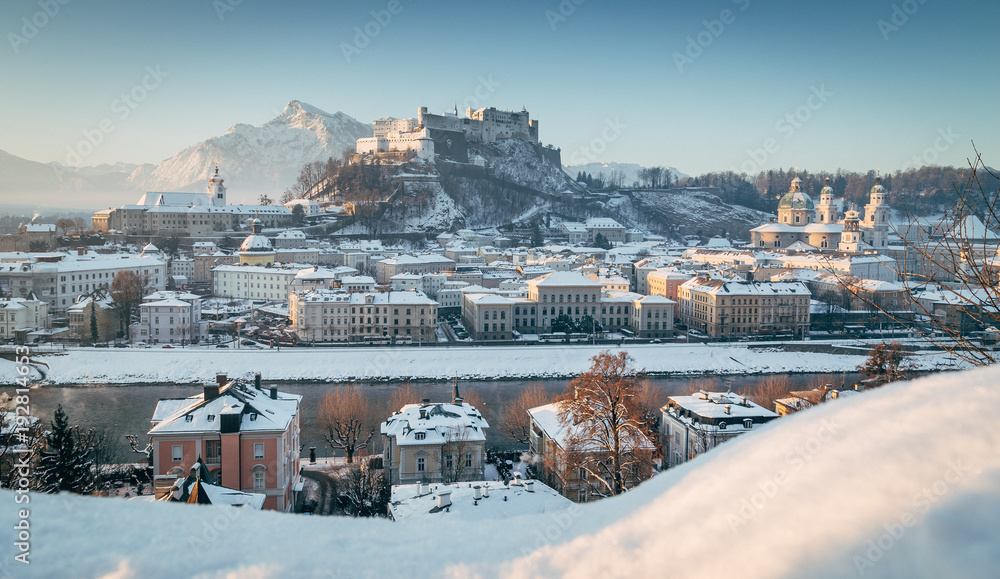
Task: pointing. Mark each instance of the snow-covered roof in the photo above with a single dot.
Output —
(564, 279)
(435, 424)
(717, 411)
(503, 501)
(414, 298)
(742, 288)
(259, 412)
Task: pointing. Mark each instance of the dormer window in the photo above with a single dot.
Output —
(188, 418)
(420, 435)
(211, 418)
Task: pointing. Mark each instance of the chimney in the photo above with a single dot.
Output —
(274, 392)
(477, 492)
(728, 409)
(256, 380)
(486, 490)
(529, 486)
(443, 497)
(211, 391)
(221, 379)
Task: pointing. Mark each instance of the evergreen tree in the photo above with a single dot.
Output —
(94, 336)
(601, 241)
(536, 236)
(65, 463)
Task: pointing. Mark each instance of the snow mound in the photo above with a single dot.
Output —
(902, 482)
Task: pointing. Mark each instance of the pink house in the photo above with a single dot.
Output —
(246, 435)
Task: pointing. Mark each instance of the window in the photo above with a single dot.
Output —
(420, 435)
(449, 462)
(258, 479)
(468, 461)
(421, 464)
(258, 450)
(177, 453)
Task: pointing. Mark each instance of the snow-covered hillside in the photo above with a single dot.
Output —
(262, 159)
(899, 482)
(629, 170)
(679, 212)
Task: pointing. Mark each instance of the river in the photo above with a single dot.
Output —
(121, 410)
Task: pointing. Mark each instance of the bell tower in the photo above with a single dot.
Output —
(216, 190)
(826, 211)
(877, 216)
(850, 239)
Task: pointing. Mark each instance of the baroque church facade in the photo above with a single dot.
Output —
(803, 225)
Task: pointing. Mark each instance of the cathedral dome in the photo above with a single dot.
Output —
(796, 200)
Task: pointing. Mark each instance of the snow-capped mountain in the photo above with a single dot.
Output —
(630, 170)
(253, 159)
(262, 159)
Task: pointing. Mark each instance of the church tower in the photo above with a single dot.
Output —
(850, 239)
(826, 211)
(877, 216)
(216, 190)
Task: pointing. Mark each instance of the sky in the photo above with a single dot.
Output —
(701, 86)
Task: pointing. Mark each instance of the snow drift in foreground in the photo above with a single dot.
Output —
(903, 481)
(436, 363)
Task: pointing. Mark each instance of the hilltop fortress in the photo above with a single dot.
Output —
(447, 135)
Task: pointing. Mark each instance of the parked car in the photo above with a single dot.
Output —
(167, 347)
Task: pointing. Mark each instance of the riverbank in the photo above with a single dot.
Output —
(180, 366)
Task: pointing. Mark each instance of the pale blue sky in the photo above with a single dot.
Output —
(888, 93)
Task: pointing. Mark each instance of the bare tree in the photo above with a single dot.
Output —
(367, 488)
(400, 397)
(771, 388)
(601, 408)
(457, 456)
(512, 419)
(127, 290)
(347, 419)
